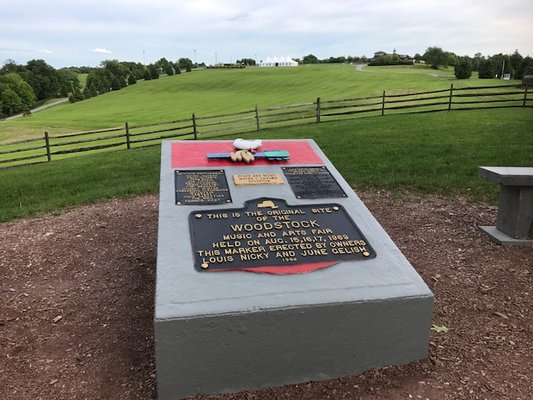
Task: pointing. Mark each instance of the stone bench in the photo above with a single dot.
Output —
(514, 222)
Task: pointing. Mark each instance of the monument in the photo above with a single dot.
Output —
(271, 271)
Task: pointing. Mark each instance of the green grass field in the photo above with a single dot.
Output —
(435, 153)
(213, 91)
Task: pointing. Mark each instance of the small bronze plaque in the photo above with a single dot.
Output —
(312, 183)
(201, 187)
(270, 233)
(257, 179)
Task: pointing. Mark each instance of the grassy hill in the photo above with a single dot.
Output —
(208, 92)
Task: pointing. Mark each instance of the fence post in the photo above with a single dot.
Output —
(257, 117)
(450, 98)
(127, 129)
(194, 127)
(47, 145)
(525, 95)
(318, 110)
(383, 104)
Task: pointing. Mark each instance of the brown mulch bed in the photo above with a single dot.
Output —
(77, 295)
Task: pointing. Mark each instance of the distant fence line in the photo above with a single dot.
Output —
(48, 147)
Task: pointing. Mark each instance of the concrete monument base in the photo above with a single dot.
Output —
(220, 331)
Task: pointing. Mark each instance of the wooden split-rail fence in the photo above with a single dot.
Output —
(129, 136)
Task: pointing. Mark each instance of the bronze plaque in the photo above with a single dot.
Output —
(257, 179)
(268, 232)
(195, 187)
(312, 183)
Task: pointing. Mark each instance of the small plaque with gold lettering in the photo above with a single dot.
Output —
(195, 187)
(270, 233)
(257, 179)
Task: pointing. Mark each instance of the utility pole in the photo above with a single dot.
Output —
(144, 59)
(216, 58)
(194, 57)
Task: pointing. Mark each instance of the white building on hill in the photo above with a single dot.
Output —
(278, 62)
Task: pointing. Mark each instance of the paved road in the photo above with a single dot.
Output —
(37, 109)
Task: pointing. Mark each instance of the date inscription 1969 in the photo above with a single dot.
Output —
(268, 232)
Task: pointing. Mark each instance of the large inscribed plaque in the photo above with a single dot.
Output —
(268, 232)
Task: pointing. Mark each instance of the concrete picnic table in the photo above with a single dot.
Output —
(514, 222)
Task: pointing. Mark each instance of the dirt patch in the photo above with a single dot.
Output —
(77, 306)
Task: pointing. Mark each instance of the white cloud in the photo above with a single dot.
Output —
(102, 51)
(45, 51)
(231, 29)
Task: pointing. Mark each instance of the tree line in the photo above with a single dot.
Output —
(490, 67)
(24, 86)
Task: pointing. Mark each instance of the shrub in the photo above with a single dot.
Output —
(486, 69)
(463, 69)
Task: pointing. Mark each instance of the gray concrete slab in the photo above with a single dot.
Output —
(501, 238)
(508, 176)
(228, 331)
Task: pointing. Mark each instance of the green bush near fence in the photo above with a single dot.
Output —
(436, 153)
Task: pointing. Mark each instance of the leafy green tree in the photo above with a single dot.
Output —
(90, 91)
(486, 69)
(116, 83)
(10, 102)
(137, 69)
(15, 82)
(516, 60)
(525, 68)
(502, 64)
(43, 79)
(310, 59)
(463, 69)
(436, 57)
(92, 80)
(11, 66)
(185, 63)
(452, 59)
(147, 75)
(168, 69)
(76, 96)
(476, 61)
(154, 71)
(352, 59)
(15, 94)
(387, 59)
(119, 73)
(246, 61)
(68, 79)
(131, 79)
(163, 64)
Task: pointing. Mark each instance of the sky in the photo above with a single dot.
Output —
(86, 32)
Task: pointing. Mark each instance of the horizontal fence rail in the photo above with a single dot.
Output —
(54, 147)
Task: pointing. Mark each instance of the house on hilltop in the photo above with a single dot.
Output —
(404, 58)
(278, 62)
(377, 55)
